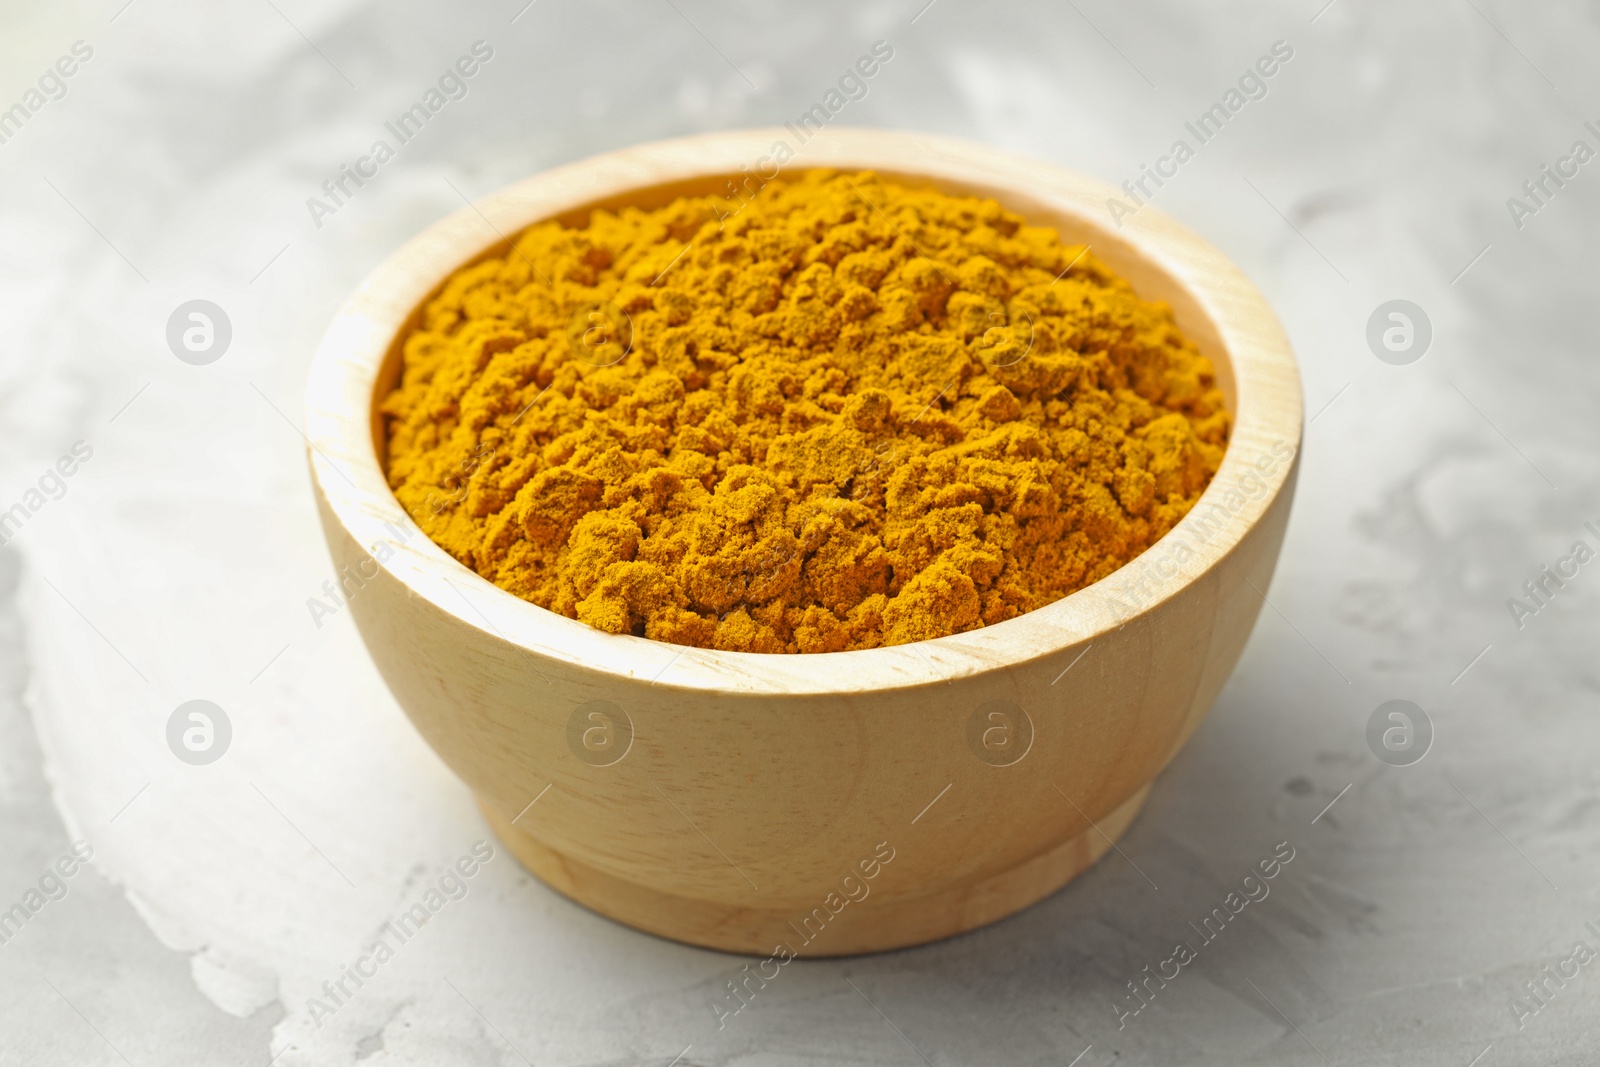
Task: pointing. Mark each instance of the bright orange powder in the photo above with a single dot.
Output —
(847, 414)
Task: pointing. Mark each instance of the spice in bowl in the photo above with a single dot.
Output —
(846, 413)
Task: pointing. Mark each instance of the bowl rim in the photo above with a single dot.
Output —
(1227, 316)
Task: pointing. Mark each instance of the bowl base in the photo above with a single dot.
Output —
(871, 925)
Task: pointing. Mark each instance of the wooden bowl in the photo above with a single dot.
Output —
(820, 804)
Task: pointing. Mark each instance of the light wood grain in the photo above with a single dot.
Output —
(756, 783)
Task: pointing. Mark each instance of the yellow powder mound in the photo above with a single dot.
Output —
(844, 414)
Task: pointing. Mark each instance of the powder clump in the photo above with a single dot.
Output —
(843, 414)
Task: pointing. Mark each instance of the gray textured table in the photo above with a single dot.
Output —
(174, 163)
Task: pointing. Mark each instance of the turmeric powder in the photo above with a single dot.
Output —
(847, 413)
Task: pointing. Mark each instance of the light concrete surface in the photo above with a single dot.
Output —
(177, 561)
